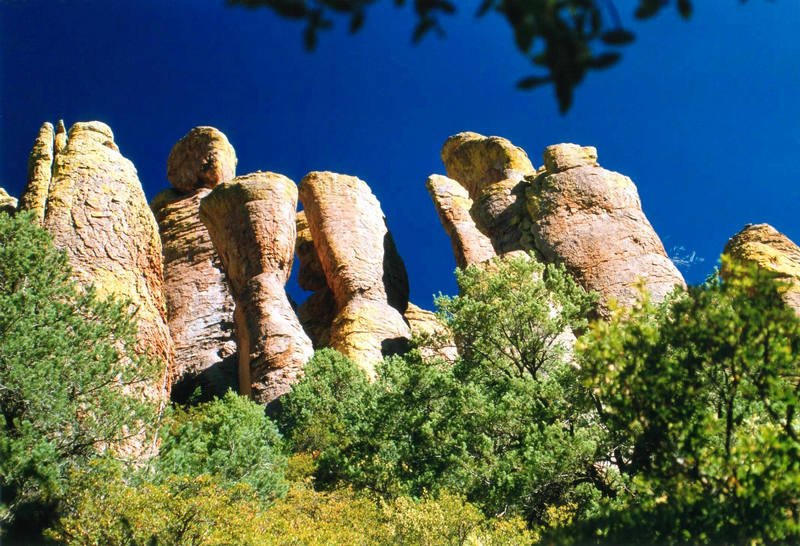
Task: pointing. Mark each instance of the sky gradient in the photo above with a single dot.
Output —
(703, 115)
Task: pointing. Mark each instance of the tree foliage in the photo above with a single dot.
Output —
(565, 38)
(70, 377)
(701, 394)
(229, 438)
(508, 425)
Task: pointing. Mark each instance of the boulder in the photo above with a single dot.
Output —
(201, 159)
(769, 249)
(435, 338)
(361, 265)
(591, 220)
(251, 220)
(453, 204)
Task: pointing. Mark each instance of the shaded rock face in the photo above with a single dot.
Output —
(92, 202)
(493, 171)
(361, 266)
(453, 204)
(251, 220)
(201, 159)
(199, 303)
(316, 314)
(591, 220)
(769, 249)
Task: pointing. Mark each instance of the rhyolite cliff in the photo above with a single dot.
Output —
(206, 263)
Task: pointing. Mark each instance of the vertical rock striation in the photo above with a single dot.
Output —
(591, 220)
(92, 202)
(251, 220)
(769, 249)
(361, 266)
(453, 204)
(199, 303)
(316, 314)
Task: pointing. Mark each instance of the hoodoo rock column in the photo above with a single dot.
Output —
(89, 197)
(361, 266)
(199, 302)
(251, 220)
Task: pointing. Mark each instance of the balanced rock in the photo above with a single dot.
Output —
(591, 220)
(201, 159)
(361, 265)
(251, 220)
(493, 172)
(199, 303)
(92, 202)
(453, 204)
(769, 249)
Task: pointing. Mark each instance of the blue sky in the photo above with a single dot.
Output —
(703, 115)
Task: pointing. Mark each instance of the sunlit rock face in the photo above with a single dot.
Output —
(769, 249)
(591, 220)
(361, 266)
(252, 223)
(493, 172)
(199, 303)
(316, 314)
(453, 204)
(7, 203)
(88, 196)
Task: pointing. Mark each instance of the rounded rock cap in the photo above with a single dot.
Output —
(201, 159)
(560, 157)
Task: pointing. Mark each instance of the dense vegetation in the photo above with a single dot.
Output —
(671, 423)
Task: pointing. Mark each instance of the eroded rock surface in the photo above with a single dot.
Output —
(316, 314)
(769, 249)
(361, 266)
(591, 220)
(251, 220)
(435, 337)
(201, 159)
(92, 202)
(453, 204)
(199, 303)
(493, 172)
(7, 203)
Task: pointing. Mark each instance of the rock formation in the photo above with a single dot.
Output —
(251, 220)
(361, 266)
(316, 314)
(7, 203)
(591, 220)
(199, 303)
(435, 337)
(769, 249)
(40, 171)
(201, 159)
(92, 202)
(493, 171)
(453, 204)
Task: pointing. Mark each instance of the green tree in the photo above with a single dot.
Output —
(70, 378)
(229, 438)
(701, 395)
(508, 425)
(566, 38)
